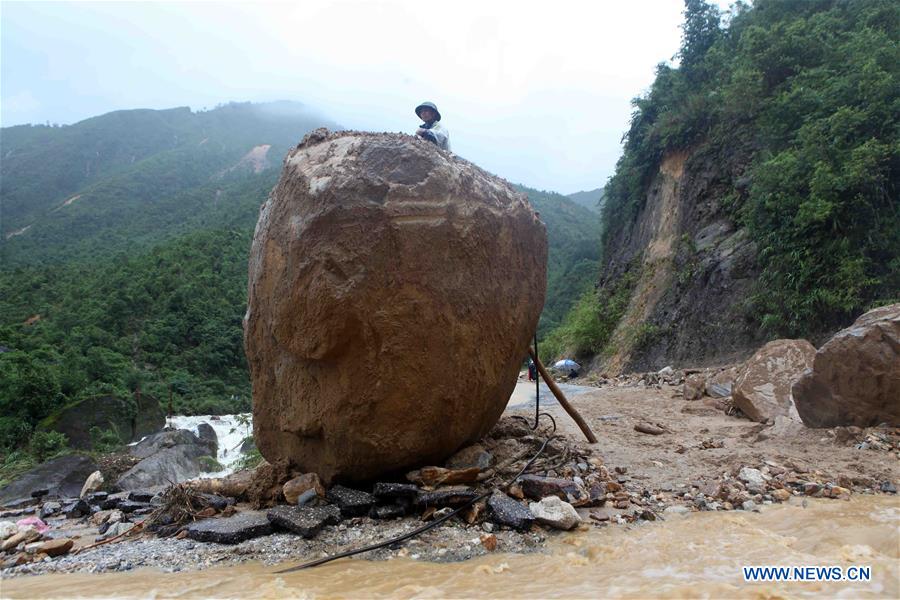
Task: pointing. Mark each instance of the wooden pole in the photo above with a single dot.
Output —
(562, 399)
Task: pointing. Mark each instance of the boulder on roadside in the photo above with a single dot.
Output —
(381, 264)
(763, 388)
(62, 477)
(855, 376)
(694, 386)
(721, 384)
(166, 457)
(130, 422)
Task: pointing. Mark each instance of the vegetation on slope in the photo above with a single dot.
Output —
(573, 233)
(811, 88)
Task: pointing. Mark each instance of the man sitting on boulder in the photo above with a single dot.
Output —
(431, 129)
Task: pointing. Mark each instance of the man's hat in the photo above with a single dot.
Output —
(431, 106)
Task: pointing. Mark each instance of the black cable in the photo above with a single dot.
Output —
(431, 525)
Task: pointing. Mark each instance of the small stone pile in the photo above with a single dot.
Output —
(39, 532)
(565, 477)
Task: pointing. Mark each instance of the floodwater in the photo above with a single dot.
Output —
(696, 556)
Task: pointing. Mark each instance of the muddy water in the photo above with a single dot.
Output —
(695, 556)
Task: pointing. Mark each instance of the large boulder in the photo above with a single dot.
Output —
(394, 288)
(167, 457)
(763, 388)
(855, 377)
(130, 420)
(62, 477)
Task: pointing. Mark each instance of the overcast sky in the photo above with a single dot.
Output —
(535, 92)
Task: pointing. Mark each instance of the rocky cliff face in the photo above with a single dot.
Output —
(693, 269)
(393, 291)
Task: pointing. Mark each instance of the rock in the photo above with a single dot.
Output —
(392, 491)
(353, 503)
(113, 500)
(350, 337)
(749, 505)
(207, 434)
(24, 536)
(233, 530)
(783, 427)
(694, 386)
(167, 457)
(7, 530)
(553, 512)
(763, 389)
(435, 476)
(450, 496)
(56, 547)
(665, 372)
(650, 429)
(388, 511)
(97, 497)
(855, 376)
(754, 479)
(77, 509)
(144, 496)
(114, 530)
(304, 520)
(537, 488)
(216, 501)
(839, 492)
(75, 420)
(107, 516)
(50, 508)
(91, 484)
(296, 486)
(62, 477)
(888, 488)
(721, 384)
(677, 510)
(506, 511)
(128, 507)
(247, 446)
(489, 541)
(781, 495)
(471, 456)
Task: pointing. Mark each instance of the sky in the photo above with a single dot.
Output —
(537, 92)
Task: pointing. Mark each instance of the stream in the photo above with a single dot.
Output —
(699, 556)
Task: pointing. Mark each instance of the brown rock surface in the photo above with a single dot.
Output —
(763, 388)
(393, 291)
(855, 376)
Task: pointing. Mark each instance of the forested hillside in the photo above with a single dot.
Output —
(139, 285)
(574, 252)
(757, 195)
(132, 178)
(589, 199)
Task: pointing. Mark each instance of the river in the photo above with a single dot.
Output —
(698, 556)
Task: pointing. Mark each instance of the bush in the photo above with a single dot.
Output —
(104, 440)
(45, 445)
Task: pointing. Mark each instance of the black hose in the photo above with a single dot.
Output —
(431, 525)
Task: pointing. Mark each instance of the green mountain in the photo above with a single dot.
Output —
(129, 179)
(590, 199)
(757, 194)
(573, 234)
